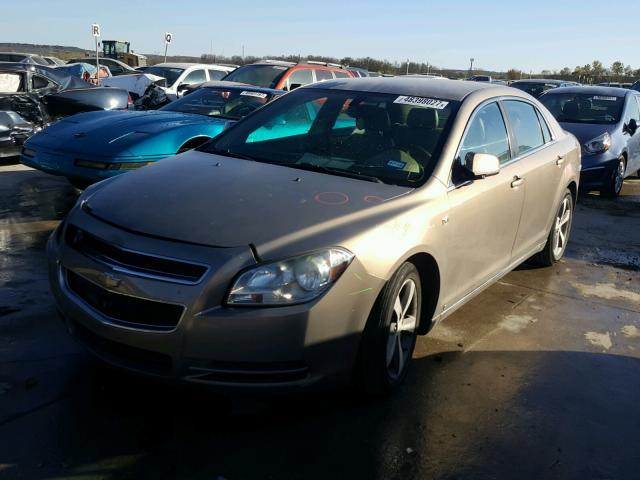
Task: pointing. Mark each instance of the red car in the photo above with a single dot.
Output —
(286, 75)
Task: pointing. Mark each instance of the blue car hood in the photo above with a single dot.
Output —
(587, 131)
(111, 133)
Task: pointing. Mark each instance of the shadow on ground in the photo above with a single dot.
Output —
(461, 415)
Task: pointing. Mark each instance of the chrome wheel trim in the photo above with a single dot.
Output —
(619, 176)
(561, 228)
(402, 329)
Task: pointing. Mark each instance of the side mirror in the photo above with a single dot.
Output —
(483, 165)
(631, 127)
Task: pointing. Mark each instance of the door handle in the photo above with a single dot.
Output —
(560, 160)
(517, 181)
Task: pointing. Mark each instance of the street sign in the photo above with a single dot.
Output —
(167, 38)
(95, 30)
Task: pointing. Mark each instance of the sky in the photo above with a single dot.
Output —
(527, 35)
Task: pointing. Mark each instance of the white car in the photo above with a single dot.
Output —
(180, 75)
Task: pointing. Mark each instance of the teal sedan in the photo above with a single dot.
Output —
(92, 146)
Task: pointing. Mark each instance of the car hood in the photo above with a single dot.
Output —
(113, 133)
(226, 202)
(587, 131)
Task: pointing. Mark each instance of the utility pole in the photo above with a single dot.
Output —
(471, 60)
(407, 66)
(243, 52)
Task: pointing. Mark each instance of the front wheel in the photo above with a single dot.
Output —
(615, 184)
(390, 334)
(559, 235)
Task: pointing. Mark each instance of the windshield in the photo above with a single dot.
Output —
(220, 102)
(171, 74)
(598, 109)
(265, 76)
(394, 139)
(535, 89)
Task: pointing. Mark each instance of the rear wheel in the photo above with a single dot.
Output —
(617, 179)
(559, 235)
(390, 335)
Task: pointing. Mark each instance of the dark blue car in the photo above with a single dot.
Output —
(90, 147)
(605, 122)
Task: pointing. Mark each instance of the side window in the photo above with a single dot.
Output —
(546, 132)
(322, 75)
(486, 133)
(299, 77)
(197, 76)
(39, 83)
(632, 110)
(216, 74)
(11, 82)
(525, 125)
(341, 74)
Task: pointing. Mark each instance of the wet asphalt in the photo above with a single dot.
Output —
(537, 377)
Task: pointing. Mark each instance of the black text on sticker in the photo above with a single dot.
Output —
(421, 101)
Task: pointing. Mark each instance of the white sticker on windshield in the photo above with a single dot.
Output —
(254, 94)
(421, 101)
(606, 99)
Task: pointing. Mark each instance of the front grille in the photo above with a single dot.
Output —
(250, 372)
(135, 263)
(125, 355)
(123, 309)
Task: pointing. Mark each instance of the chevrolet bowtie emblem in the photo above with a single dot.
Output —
(109, 280)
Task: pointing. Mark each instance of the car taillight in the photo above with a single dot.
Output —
(129, 100)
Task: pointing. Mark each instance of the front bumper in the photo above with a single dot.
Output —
(597, 171)
(261, 349)
(64, 164)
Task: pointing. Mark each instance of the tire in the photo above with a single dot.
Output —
(79, 183)
(385, 351)
(617, 179)
(559, 234)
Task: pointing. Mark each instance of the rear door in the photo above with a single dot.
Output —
(484, 213)
(540, 163)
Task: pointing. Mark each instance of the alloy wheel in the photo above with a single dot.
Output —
(561, 228)
(619, 178)
(402, 329)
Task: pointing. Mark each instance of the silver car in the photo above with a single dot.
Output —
(309, 244)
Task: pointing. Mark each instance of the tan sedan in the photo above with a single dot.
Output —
(311, 242)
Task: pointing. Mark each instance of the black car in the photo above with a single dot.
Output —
(33, 96)
(537, 86)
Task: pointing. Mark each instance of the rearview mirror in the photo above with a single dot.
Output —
(483, 165)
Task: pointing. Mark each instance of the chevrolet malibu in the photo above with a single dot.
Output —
(310, 243)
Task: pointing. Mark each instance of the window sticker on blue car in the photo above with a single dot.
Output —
(396, 164)
(607, 99)
(421, 102)
(279, 68)
(254, 94)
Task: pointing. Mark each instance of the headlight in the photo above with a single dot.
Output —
(599, 144)
(291, 281)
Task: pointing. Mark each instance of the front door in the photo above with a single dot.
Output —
(484, 213)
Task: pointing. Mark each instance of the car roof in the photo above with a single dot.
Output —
(435, 87)
(592, 90)
(65, 80)
(184, 65)
(241, 86)
(541, 80)
(93, 60)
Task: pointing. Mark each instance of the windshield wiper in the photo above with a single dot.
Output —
(334, 171)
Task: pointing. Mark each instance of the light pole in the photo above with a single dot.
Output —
(407, 66)
(471, 60)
